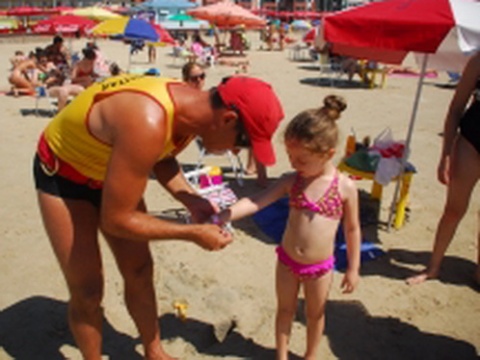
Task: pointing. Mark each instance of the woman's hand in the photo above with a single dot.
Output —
(443, 170)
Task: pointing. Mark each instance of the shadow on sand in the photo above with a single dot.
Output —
(354, 334)
(36, 328)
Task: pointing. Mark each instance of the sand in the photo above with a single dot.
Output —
(230, 294)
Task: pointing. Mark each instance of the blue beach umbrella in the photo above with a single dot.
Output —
(128, 28)
(140, 29)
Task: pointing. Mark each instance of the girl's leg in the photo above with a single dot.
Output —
(316, 293)
(287, 286)
(72, 228)
(136, 266)
(464, 174)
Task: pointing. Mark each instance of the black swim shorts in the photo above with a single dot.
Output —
(59, 186)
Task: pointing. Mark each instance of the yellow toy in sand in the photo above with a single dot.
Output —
(181, 309)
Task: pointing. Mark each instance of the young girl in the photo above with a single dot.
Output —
(320, 197)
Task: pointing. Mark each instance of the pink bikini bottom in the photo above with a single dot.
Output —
(305, 270)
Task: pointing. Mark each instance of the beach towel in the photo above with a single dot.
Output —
(272, 221)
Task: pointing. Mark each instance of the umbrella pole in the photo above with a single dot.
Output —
(408, 140)
(129, 59)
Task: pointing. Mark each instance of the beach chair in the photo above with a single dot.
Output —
(41, 93)
(369, 71)
(208, 183)
(329, 69)
(234, 160)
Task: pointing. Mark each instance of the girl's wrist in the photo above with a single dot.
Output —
(215, 219)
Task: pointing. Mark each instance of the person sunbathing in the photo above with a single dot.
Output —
(83, 72)
(29, 73)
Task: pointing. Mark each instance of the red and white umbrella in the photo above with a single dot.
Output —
(442, 30)
(63, 24)
(25, 11)
(386, 31)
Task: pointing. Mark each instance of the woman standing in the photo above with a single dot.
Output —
(459, 166)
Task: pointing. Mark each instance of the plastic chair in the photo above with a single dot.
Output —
(329, 67)
(234, 159)
(369, 71)
(41, 92)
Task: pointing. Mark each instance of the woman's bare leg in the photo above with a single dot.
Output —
(316, 294)
(72, 227)
(20, 83)
(477, 272)
(136, 266)
(287, 287)
(464, 174)
(63, 92)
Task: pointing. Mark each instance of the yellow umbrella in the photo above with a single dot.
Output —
(95, 13)
(111, 27)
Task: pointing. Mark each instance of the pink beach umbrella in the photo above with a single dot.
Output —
(227, 14)
(441, 30)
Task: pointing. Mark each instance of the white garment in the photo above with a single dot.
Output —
(387, 169)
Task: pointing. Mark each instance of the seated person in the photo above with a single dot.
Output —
(101, 64)
(83, 72)
(29, 74)
(17, 58)
(115, 69)
(136, 46)
(236, 42)
(58, 53)
(61, 89)
(194, 75)
(202, 50)
(351, 66)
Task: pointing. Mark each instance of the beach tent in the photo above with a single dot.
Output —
(443, 31)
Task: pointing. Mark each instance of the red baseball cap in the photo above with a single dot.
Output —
(260, 111)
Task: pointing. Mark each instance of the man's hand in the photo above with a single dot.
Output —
(211, 237)
(201, 209)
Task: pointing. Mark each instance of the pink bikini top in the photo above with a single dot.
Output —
(329, 205)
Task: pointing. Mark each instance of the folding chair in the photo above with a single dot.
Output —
(217, 191)
(234, 159)
(330, 68)
(41, 92)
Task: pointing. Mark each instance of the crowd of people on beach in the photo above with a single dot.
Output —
(91, 176)
(53, 70)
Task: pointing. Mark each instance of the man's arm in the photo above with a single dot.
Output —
(138, 136)
(169, 174)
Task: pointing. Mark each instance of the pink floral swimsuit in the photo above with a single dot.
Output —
(330, 205)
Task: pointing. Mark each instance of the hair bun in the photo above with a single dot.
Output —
(334, 105)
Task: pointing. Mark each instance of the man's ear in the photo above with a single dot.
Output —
(230, 117)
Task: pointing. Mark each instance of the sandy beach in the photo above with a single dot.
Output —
(230, 294)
